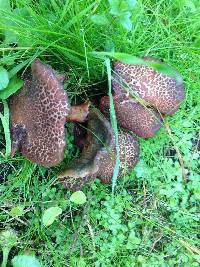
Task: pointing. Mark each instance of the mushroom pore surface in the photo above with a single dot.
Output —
(165, 93)
(38, 116)
(129, 156)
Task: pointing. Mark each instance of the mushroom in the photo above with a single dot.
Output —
(132, 115)
(163, 92)
(39, 113)
(129, 156)
(98, 155)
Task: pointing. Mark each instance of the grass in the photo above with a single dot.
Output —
(153, 219)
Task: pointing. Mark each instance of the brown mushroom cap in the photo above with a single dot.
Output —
(132, 115)
(129, 156)
(98, 156)
(38, 116)
(165, 93)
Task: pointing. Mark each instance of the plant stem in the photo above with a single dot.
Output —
(5, 256)
(114, 125)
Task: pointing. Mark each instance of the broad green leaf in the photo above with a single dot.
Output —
(189, 4)
(141, 169)
(5, 4)
(17, 211)
(50, 215)
(131, 4)
(24, 40)
(126, 14)
(4, 78)
(125, 20)
(23, 12)
(9, 36)
(6, 127)
(78, 197)
(133, 241)
(99, 19)
(130, 59)
(14, 85)
(8, 238)
(25, 261)
(109, 45)
(9, 33)
(165, 69)
(115, 7)
(126, 58)
(197, 192)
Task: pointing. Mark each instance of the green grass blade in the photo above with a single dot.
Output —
(130, 59)
(6, 128)
(114, 126)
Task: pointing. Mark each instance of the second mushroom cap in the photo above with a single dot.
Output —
(131, 115)
(163, 92)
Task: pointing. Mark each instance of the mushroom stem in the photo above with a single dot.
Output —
(79, 113)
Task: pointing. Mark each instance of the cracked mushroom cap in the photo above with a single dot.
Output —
(129, 156)
(163, 92)
(98, 156)
(131, 115)
(38, 116)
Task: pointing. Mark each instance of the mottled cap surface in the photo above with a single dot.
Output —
(165, 93)
(129, 156)
(131, 115)
(38, 116)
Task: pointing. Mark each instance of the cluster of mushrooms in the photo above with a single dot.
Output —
(40, 110)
